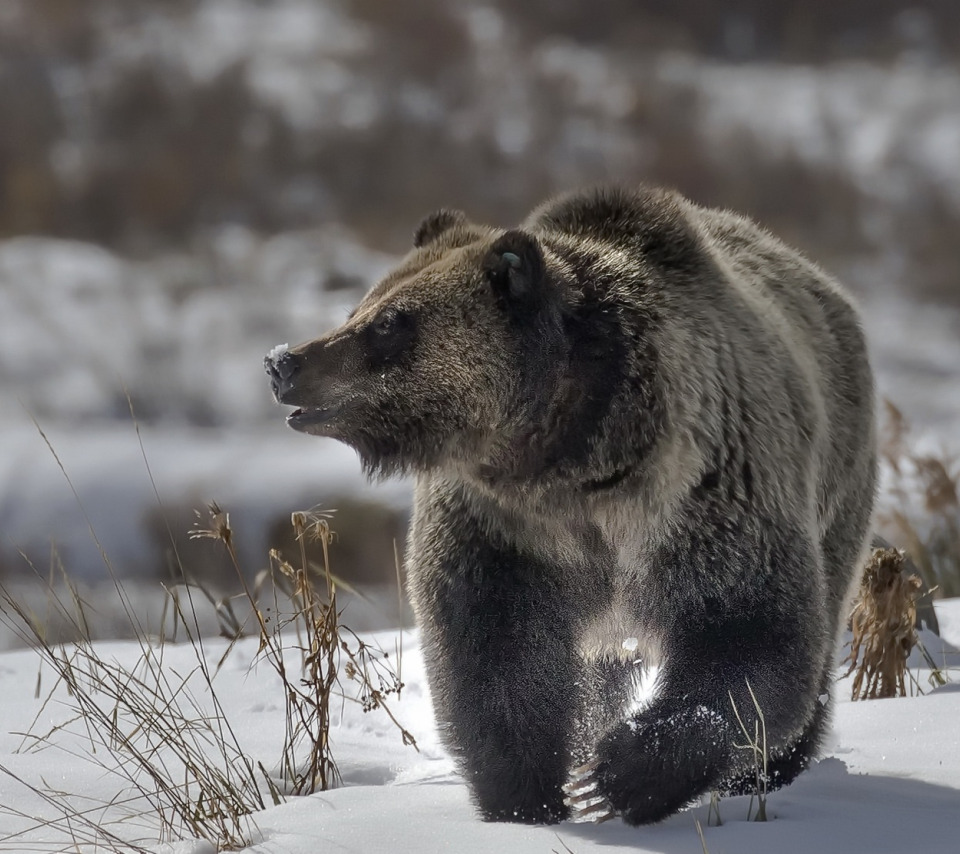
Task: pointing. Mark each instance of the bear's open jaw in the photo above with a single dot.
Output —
(307, 419)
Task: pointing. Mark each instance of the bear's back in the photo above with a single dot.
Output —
(822, 324)
(757, 332)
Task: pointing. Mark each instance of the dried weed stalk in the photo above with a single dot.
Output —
(312, 629)
(884, 627)
(756, 743)
(175, 751)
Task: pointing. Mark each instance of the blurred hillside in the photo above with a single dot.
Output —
(141, 125)
(186, 183)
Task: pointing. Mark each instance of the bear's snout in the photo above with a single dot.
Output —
(282, 367)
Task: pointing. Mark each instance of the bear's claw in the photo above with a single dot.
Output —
(581, 796)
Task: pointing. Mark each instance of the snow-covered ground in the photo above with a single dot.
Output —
(889, 782)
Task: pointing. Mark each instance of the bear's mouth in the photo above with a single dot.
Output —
(308, 419)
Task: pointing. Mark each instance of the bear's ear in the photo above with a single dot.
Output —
(515, 269)
(436, 224)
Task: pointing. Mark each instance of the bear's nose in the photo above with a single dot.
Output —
(281, 368)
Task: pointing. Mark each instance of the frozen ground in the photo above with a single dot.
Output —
(890, 781)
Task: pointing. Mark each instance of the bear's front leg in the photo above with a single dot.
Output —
(499, 654)
(498, 643)
(763, 638)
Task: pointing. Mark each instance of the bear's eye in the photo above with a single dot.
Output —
(389, 335)
(386, 322)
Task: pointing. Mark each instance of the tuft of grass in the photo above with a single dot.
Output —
(713, 810)
(176, 752)
(148, 725)
(326, 650)
(884, 623)
(168, 736)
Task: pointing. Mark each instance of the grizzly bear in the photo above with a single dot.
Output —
(641, 431)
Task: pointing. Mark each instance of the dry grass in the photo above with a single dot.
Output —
(326, 648)
(756, 744)
(884, 627)
(166, 735)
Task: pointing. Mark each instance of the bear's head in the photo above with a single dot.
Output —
(447, 361)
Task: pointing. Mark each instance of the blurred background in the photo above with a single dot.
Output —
(185, 184)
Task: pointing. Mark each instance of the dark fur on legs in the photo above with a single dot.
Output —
(733, 649)
(503, 669)
(608, 686)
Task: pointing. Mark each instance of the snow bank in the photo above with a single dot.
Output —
(258, 476)
(890, 781)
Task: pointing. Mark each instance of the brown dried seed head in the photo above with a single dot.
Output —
(219, 522)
